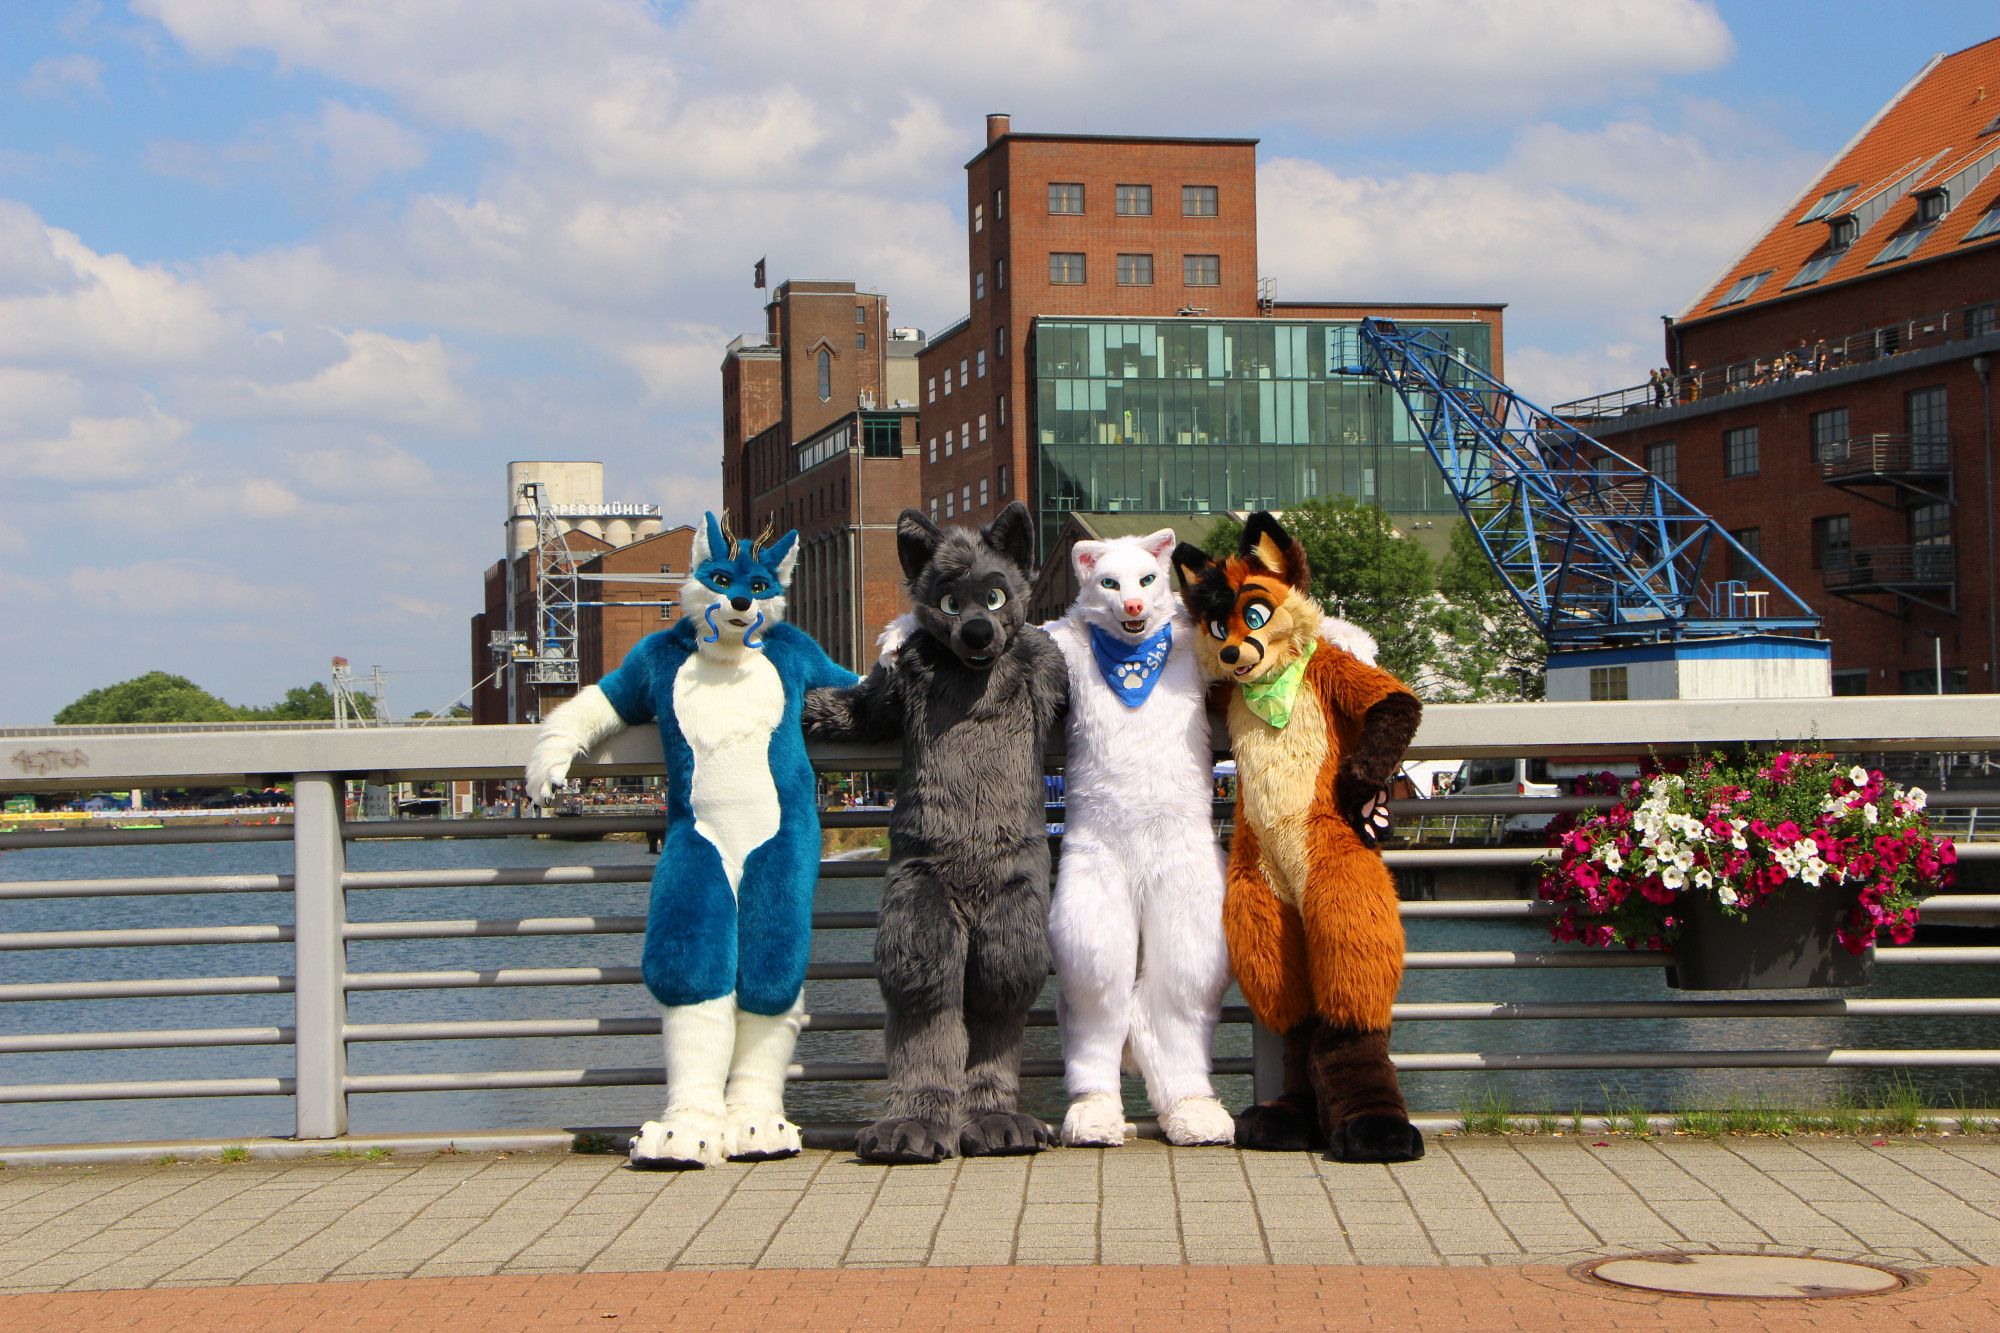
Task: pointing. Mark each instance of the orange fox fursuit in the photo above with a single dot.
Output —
(1310, 910)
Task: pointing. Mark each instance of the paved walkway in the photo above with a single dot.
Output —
(1507, 1214)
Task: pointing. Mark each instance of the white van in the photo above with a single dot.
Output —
(1509, 777)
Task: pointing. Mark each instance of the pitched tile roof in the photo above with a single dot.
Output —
(1943, 130)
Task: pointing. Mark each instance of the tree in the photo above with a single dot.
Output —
(1500, 654)
(302, 703)
(1366, 572)
(153, 697)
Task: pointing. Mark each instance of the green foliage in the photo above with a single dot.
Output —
(158, 696)
(236, 1153)
(1450, 630)
(1490, 1113)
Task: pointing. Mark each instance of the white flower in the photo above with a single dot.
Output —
(1726, 896)
(1858, 776)
(1704, 878)
(1736, 839)
(1672, 876)
(1612, 860)
(1915, 799)
(1870, 814)
(1813, 871)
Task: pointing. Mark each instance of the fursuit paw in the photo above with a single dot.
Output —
(1375, 1138)
(1284, 1125)
(758, 1134)
(1095, 1120)
(1005, 1134)
(680, 1140)
(905, 1141)
(1197, 1120)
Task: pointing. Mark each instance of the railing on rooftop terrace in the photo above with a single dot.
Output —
(1797, 363)
(321, 981)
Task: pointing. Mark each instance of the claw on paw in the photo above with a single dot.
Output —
(905, 1141)
(758, 1134)
(679, 1141)
(1004, 1134)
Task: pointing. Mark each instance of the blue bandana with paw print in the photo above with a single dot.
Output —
(1131, 669)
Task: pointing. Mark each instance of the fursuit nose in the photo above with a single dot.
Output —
(1134, 608)
(977, 633)
(739, 603)
(1230, 654)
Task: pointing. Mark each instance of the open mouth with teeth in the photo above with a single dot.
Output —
(1133, 626)
(739, 622)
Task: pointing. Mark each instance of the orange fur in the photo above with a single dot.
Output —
(1267, 940)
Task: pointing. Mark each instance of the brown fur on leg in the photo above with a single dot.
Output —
(1289, 1122)
(1267, 941)
(1360, 1102)
(1353, 932)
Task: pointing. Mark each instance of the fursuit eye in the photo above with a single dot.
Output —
(995, 598)
(720, 580)
(948, 604)
(1256, 617)
(1109, 584)
(1147, 582)
(1218, 630)
(758, 585)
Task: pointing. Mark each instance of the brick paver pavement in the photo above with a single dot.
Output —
(1098, 1299)
(1504, 1215)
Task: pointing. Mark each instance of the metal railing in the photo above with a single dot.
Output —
(1884, 456)
(1787, 365)
(321, 980)
(1863, 567)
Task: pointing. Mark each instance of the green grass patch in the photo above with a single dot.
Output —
(236, 1152)
(378, 1154)
(1490, 1113)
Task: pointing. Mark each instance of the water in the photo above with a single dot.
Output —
(1557, 1091)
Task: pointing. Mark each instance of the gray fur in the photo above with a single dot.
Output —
(963, 947)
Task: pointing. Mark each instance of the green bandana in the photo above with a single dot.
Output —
(1271, 699)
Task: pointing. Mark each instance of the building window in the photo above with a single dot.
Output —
(666, 608)
(947, 381)
(1829, 435)
(965, 497)
(861, 341)
(1981, 320)
(861, 314)
(1002, 406)
(1741, 290)
(978, 217)
(979, 285)
(1988, 224)
(964, 369)
(1065, 197)
(933, 453)
(947, 442)
(1751, 540)
(1135, 201)
(999, 275)
(983, 501)
(933, 509)
(1832, 539)
(1739, 452)
(965, 437)
(1925, 681)
(979, 360)
(931, 389)
(1000, 342)
(1065, 268)
(1829, 204)
(1198, 201)
(1930, 525)
(999, 204)
(825, 374)
(1135, 270)
(1850, 682)
(951, 504)
(1609, 683)
(982, 428)
(1003, 478)
(1924, 409)
(1201, 270)
(1663, 460)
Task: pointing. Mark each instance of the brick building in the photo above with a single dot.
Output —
(1117, 356)
(1831, 395)
(819, 434)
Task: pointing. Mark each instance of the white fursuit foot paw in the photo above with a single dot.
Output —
(758, 1134)
(1196, 1120)
(1095, 1120)
(680, 1140)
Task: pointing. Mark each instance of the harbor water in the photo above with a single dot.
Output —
(1559, 1092)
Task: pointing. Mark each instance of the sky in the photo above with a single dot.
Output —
(284, 284)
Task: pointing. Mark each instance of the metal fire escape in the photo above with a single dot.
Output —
(554, 661)
(1595, 548)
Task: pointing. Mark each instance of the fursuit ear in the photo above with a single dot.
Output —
(1083, 556)
(916, 542)
(1012, 534)
(707, 541)
(1266, 544)
(781, 557)
(1157, 544)
(1190, 563)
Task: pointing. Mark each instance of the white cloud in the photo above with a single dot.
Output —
(344, 148)
(381, 378)
(156, 588)
(96, 451)
(64, 76)
(373, 466)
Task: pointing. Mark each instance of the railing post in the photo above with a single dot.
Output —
(1267, 1063)
(319, 916)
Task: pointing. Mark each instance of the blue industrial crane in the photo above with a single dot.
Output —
(1596, 549)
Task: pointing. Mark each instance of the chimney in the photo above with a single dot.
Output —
(996, 125)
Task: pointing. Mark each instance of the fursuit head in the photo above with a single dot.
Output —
(1136, 923)
(1310, 913)
(729, 923)
(963, 947)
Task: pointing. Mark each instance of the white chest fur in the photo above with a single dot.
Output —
(727, 710)
(1277, 771)
(1131, 762)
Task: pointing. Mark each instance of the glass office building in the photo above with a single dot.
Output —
(1191, 416)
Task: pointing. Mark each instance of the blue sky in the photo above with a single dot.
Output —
(283, 286)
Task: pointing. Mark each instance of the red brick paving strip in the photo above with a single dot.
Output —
(1097, 1299)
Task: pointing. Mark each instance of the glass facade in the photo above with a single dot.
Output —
(1197, 416)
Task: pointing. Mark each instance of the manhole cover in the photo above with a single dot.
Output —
(1755, 1276)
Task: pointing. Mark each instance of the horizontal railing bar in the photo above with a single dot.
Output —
(362, 830)
(143, 837)
(832, 1071)
(487, 1029)
(1935, 956)
(184, 1087)
(1814, 1058)
(144, 937)
(148, 989)
(498, 976)
(137, 888)
(493, 928)
(153, 1039)
(487, 877)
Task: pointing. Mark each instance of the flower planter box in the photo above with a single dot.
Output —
(1788, 941)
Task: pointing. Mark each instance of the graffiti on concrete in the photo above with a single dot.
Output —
(38, 762)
